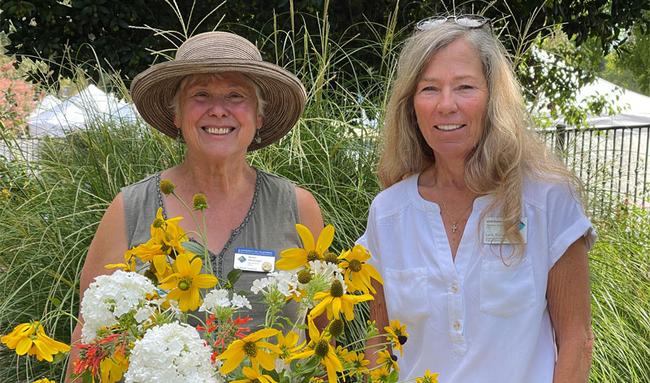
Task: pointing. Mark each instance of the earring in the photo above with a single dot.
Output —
(258, 138)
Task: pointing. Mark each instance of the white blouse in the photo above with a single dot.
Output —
(484, 316)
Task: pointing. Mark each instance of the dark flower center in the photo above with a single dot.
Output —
(321, 349)
(355, 265)
(336, 327)
(337, 289)
(250, 349)
(313, 256)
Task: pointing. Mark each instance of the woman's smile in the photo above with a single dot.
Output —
(449, 127)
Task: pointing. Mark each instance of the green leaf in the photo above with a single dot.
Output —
(194, 247)
(233, 277)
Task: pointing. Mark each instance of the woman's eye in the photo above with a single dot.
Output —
(200, 93)
(235, 96)
(428, 88)
(465, 87)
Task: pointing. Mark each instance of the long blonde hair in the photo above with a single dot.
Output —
(506, 152)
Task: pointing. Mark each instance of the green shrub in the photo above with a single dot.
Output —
(620, 284)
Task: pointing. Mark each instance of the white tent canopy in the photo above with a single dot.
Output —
(635, 107)
(54, 117)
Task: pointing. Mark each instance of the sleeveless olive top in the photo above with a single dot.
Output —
(268, 225)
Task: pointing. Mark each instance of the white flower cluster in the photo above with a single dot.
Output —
(284, 281)
(328, 272)
(111, 296)
(218, 298)
(171, 353)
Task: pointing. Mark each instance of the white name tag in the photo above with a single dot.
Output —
(262, 261)
(493, 231)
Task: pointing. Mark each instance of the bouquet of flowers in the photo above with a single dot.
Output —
(159, 317)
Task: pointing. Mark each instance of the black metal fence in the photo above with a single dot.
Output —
(612, 162)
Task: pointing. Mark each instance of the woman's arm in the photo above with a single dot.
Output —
(309, 211)
(378, 314)
(108, 246)
(569, 300)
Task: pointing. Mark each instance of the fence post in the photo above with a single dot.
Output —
(560, 139)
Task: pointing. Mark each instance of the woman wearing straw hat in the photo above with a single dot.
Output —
(223, 101)
(480, 235)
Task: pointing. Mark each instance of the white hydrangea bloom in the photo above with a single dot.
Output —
(239, 301)
(144, 313)
(215, 299)
(171, 353)
(111, 296)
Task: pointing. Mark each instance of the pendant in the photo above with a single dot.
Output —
(454, 227)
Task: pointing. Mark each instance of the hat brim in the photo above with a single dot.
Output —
(153, 90)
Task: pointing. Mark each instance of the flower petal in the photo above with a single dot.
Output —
(233, 359)
(204, 281)
(23, 346)
(266, 359)
(325, 239)
(336, 308)
(195, 265)
(291, 259)
(263, 333)
(306, 236)
(183, 264)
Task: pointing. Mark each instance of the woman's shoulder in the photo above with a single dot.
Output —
(274, 179)
(542, 190)
(142, 185)
(274, 186)
(141, 199)
(396, 196)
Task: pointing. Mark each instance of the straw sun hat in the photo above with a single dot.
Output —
(213, 52)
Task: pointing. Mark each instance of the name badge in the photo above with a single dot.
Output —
(261, 261)
(493, 231)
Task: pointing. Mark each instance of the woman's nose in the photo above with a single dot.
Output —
(218, 107)
(447, 102)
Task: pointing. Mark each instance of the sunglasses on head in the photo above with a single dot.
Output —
(468, 21)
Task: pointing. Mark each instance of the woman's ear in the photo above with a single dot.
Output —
(259, 121)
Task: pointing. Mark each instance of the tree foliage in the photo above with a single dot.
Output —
(101, 30)
(629, 65)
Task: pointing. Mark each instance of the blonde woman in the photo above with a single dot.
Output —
(480, 234)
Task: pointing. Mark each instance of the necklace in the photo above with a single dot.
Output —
(455, 222)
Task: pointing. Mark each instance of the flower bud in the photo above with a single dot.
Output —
(200, 201)
(304, 276)
(336, 328)
(167, 186)
(330, 257)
